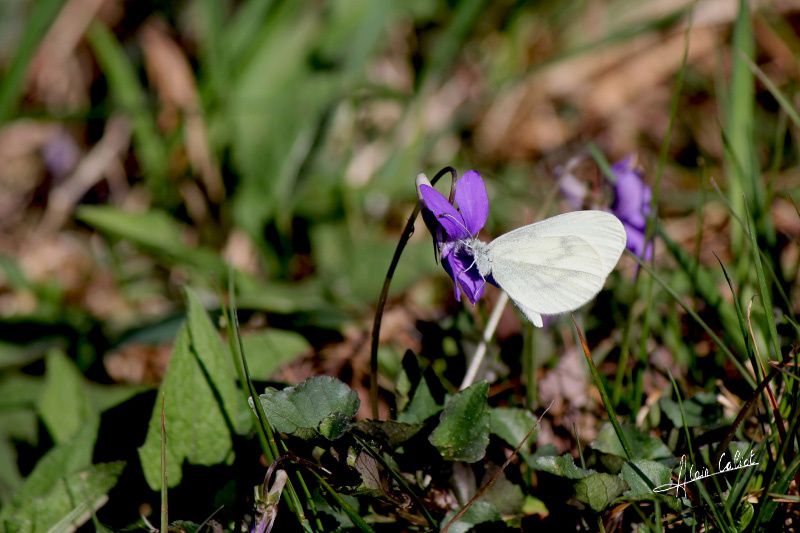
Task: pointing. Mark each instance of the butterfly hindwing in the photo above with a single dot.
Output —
(559, 264)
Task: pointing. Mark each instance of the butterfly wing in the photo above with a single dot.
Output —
(558, 264)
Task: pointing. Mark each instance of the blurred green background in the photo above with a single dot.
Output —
(149, 145)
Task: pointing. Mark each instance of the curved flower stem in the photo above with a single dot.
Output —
(488, 333)
(376, 325)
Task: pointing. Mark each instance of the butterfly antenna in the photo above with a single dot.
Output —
(454, 219)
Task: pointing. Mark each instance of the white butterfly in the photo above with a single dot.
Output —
(547, 268)
(555, 265)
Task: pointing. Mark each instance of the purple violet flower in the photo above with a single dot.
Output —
(632, 205)
(451, 226)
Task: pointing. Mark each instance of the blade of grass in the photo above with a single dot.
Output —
(598, 382)
(749, 342)
(721, 345)
(43, 14)
(130, 96)
(705, 286)
(767, 507)
(704, 495)
(215, 67)
(764, 293)
(765, 262)
(612, 415)
(602, 162)
(351, 513)
(782, 100)
(241, 32)
(652, 218)
(739, 127)
(449, 43)
(743, 413)
(263, 429)
(650, 227)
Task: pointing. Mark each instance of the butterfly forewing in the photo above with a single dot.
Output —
(559, 264)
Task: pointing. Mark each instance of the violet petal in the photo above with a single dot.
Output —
(447, 215)
(450, 264)
(472, 200)
(463, 265)
(631, 194)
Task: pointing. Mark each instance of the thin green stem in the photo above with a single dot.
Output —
(387, 282)
(263, 429)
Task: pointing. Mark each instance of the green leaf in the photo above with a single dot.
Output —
(185, 526)
(10, 477)
(745, 515)
(156, 232)
(35, 28)
(277, 82)
(215, 361)
(655, 472)
(700, 410)
(60, 462)
(512, 424)
(67, 503)
(280, 297)
(108, 396)
(321, 404)
(17, 355)
(20, 390)
(563, 466)
(268, 350)
(463, 430)
(421, 407)
(478, 513)
(391, 432)
(599, 489)
(353, 268)
(64, 404)
(642, 446)
(505, 496)
(196, 427)
(123, 83)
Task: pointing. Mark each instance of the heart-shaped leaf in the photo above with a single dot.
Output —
(320, 405)
(463, 430)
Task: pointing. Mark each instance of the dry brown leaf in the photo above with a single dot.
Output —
(21, 166)
(103, 160)
(60, 78)
(138, 364)
(171, 74)
(240, 253)
(567, 381)
(61, 258)
(786, 218)
(645, 70)
(715, 234)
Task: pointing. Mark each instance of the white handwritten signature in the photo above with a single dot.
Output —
(687, 473)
